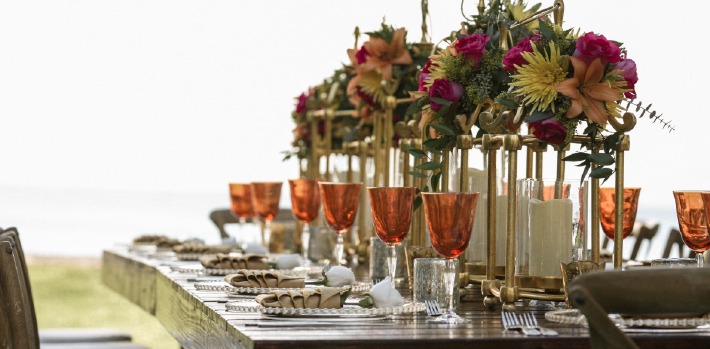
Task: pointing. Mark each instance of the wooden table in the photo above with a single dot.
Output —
(198, 319)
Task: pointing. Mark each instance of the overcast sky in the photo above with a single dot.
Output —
(176, 95)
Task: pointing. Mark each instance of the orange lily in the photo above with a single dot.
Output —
(587, 91)
(383, 54)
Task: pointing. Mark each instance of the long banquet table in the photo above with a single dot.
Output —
(198, 319)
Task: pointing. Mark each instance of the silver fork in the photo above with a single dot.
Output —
(432, 307)
(530, 320)
(511, 322)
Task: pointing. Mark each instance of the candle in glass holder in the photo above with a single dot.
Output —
(550, 235)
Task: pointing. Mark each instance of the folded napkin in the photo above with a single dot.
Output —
(316, 298)
(157, 240)
(196, 247)
(263, 278)
(225, 261)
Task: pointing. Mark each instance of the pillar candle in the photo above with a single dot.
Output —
(550, 236)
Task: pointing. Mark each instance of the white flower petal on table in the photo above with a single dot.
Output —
(384, 295)
(339, 276)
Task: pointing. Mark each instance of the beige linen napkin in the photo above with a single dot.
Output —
(193, 247)
(263, 278)
(312, 298)
(225, 261)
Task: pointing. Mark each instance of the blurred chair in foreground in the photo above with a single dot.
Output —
(639, 292)
(18, 321)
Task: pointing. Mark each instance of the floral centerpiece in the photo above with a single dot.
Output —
(555, 79)
(564, 79)
(384, 57)
(465, 77)
(329, 94)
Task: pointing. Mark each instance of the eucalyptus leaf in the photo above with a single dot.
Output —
(441, 128)
(429, 165)
(435, 181)
(413, 108)
(508, 103)
(440, 101)
(436, 143)
(539, 115)
(601, 172)
(576, 157)
(603, 159)
(416, 153)
(417, 202)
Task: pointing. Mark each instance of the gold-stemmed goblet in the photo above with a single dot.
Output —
(340, 201)
(449, 218)
(392, 216)
(607, 207)
(265, 198)
(692, 219)
(305, 203)
(242, 208)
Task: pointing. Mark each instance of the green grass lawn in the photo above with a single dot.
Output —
(72, 295)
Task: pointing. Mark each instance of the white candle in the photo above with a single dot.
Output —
(550, 236)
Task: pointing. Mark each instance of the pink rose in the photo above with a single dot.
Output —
(549, 130)
(514, 56)
(423, 75)
(446, 90)
(472, 46)
(628, 68)
(301, 104)
(590, 46)
(361, 55)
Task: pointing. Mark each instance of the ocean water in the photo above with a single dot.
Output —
(71, 222)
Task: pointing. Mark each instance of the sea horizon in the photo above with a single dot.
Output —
(65, 222)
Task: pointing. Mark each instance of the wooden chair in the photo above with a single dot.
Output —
(674, 239)
(637, 292)
(18, 322)
(646, 232)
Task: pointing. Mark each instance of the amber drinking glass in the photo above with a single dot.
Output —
(606, 210)
(305, 203)
(240, 195)
(392, 216)
(340, 201)
(449, 218)
(265, 198)
(692, 219)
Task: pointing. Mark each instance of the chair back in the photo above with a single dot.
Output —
(643, 292)
(16, 307)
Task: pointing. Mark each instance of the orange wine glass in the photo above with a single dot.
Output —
(305, 203)
(340, 201)
(265, 198)
(240, 196)
(449, 217)
(692, 219)
(392, 216)
(607, 206)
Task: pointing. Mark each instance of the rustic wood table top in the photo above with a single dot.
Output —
(199, 319)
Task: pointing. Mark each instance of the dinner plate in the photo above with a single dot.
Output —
(350, 311)
(636, 324)
(199, 269)
(236, 291)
